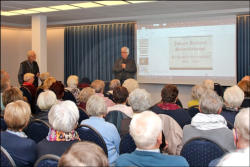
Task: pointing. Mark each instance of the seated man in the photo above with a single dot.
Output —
(146, 130)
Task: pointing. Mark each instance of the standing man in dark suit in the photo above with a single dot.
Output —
(124, 67)
(29, 66)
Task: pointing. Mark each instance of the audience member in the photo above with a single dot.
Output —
(43, 77)
(146, 130)
(44, 102)
(209, 124)
(131, 84)
(22, 149)
(233, 97)
(96, 108)
(112, 85)
(208, 84)
(72, 83)
(245, 86)
(63, 119)
(84, 96)
(246, 78)
(139, 100)
(5, 84)
(197, 92)
(58, 88)
(120, 95)
(83, 154)
(98, 85)
(85, 82)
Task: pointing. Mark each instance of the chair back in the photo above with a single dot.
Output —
(200, 152)
(192, 111)
(3, 124)
(37, 130)
(115, 117)
(82, 115)
(46, 160)
(127, 144)
(88, 133)
(6, 159)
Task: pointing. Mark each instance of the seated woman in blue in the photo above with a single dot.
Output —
(96, 108)
(21, 149)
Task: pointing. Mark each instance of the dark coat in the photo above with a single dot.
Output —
(25, 67)
(128, 72)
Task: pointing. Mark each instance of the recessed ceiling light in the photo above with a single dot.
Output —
(87, 5)
(3, 13)
(24, 11)
(140, 1)
(111, 3)
(64, 7)
(43, 9)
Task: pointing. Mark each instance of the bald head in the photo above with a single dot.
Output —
(31, 55)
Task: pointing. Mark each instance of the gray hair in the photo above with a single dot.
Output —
(209, 84)
(114, 83)
(197, 91)
(98, 85)
(242, 123)
(46, 100)
(72, 81)
(131, 84)
(96, 106)
(126, 49)
(140, 100)
(234, 96)
(64, 116)
(85, 94)
(210, 102)
(145, 128)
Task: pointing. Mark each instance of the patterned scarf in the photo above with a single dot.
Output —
(55, 135)
(168, 106)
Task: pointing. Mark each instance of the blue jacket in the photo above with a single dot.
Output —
(22, 150)
(146, 158)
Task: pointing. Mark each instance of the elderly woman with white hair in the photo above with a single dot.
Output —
(44, 102)
(96, 108)
(209, 124)
(131, 84)
(233, 98)
(63, 119)
(72, 83)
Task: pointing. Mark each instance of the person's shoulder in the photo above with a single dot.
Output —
(176, 160)
(24, 62)
(124, 160)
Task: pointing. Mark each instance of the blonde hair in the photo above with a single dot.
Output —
(28, 76)
(197, 91)
(114, 83)
(85, 94)
(131, 84)
(98, 85)
(17, 115)
(12, 94)
(72, 81)
(44, 76)
(48, 82)
(208, 84)
(46, 100)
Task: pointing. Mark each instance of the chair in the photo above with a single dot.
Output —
(3, 124)
(200, 152)
(82, 115)
(127, 144)
(6, 159)
(192, 111)
(115, 117)
(88, 133)
(46, 160)
(37, 130)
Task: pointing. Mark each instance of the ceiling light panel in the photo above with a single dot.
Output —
(64, 7)
(112, 3)
(43, 9)
(24, 11)
(3, 13)
(87, 5)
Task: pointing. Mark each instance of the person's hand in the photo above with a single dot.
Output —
(123, 66)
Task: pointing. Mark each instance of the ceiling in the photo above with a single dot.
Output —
(131, 12)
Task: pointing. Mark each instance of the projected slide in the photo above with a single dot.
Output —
(187, 52)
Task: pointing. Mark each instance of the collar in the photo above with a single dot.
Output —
(153, 150)
(20, 134)
(27, 84)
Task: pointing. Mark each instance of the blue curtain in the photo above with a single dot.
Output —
(91, 50)
(243, 45)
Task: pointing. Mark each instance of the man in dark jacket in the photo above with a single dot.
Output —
(29, 66)
(124, 67)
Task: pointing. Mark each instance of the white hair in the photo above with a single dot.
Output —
(209, 84)
(234, 96)
(28, 76)
(46, 100)
(145, 128)
(131, 84)
(238, 158)
(72, 81)
(140, 100)
(96, 106)
(64, 116)
(126, 49)
(241, 123)
(44, 76)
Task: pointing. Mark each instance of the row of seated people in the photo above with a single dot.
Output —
(138, 99)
